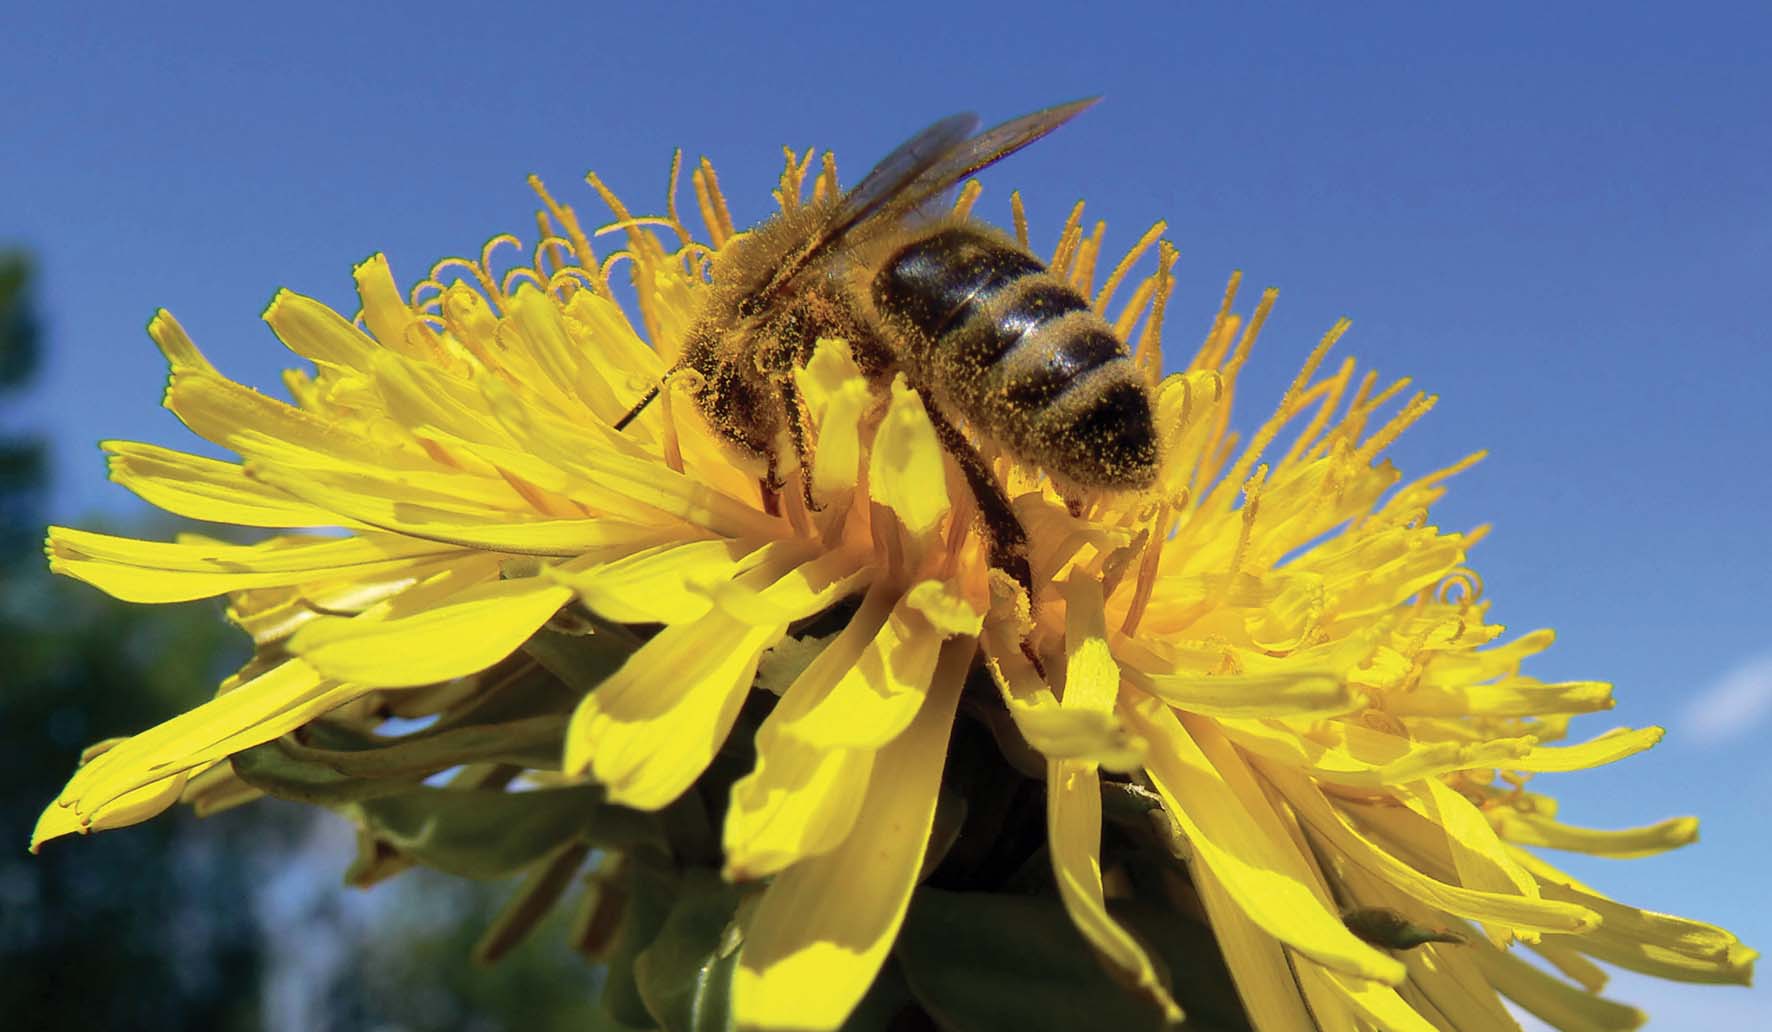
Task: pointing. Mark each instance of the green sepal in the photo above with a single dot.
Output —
(684, 976)
(275, 769)
(533, 900)
(580, 662)
(483, 833)
(650, 891)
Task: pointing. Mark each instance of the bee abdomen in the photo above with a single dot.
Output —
(1020, 354)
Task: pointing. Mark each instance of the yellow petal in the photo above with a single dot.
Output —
(175, 344)
(1092, 678)
(906, 472)
(460, 635)
(877, 695)
(800, 592)
(596, 453)
(316, 332)
(385, 311)
(156, 571)
(1236, 834)
(1558, 1003)
(1279, 693)
(803, 796)
(1259, 965)
(650, 729)
(1642, 940)
(503, 532)
(1478, 856)
(1073, 832)
(1529, 829)
(1610, 747)
(1056, 732)
(662, 584)
(1400, 760)
(1365, 1003)
(1514, 697)
(263, 706)
(1513, 911)
(836, 396)
(208, 489)
(825, 925)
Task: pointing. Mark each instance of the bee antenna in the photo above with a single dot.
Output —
(634, 413)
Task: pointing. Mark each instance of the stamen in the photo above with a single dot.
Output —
(1067, 242)
(1083, 276)
(1019, 216)
(1134, 309)
(638, 220)
(524, 272)
(712, 184)
(1288, 401)
(968, 197)
(1251, 506)
(1125, 266)
(673, 450)
(568, 219)
(1466, 581)
(478, 272)
(710, 219)
(824, 188)
(547, 248)
(485, 270)
(429, 304)
(565, 277)
(1149, 355)
(1209, 354)
(1330, 391)
(683, 233)
(1147, 571)
(644, 251)
(1418, 406)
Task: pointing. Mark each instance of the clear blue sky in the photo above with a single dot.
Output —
(1556, 216)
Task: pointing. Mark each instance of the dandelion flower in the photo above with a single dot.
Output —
(1266, 695)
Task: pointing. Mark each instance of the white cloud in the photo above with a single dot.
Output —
(1735, 705)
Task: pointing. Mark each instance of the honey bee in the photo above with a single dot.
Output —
(981, 329)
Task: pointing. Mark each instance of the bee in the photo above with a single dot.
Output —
(983, 331)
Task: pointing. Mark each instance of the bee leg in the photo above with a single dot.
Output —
(771, 485)
(1006, 538)
(797, 434)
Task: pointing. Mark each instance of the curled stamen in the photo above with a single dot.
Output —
(522, 272)
(1466, 582)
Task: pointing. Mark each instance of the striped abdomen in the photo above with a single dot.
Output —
(1015, 350)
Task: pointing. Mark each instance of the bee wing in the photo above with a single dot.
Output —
(895, 172)
(921, 167)
(899, 170)
(984, 150)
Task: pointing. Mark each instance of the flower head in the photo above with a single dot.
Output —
(1271, 675)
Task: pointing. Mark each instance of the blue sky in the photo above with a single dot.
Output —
(1555, 216)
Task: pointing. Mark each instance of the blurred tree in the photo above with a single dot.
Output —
(132, 929)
